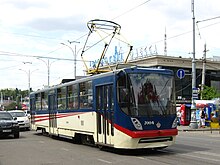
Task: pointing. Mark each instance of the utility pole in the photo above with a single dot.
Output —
(193, 122)
(203, 70)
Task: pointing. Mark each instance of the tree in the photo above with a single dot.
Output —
(12, 106)
(209, 93)
(13, 94)
(13, 97)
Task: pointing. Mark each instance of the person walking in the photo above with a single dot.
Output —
(178, 117)
(202, 118)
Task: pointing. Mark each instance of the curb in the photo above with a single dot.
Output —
(200, 129)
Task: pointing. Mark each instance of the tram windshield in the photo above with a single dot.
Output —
(146, 94)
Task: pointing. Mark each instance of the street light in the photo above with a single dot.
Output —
(29, 82)
(28, 74)
(193, 122)
(48, 64)
(74, 54)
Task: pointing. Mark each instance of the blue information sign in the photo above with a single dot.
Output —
(195, 93)
(180, 73)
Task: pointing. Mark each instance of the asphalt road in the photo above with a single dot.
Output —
(35, 149)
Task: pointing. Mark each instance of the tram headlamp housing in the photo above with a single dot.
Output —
(174, 125)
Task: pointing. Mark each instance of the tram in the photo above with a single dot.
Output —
(128, 108)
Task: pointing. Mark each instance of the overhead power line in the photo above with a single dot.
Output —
(2, 53)
(207, 19)
(32, 36)
(135, 7)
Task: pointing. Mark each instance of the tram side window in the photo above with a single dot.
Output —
(86, 99)
(38, 101)
(72, 94)
(44, 101)
(61, 98)
(70, 97)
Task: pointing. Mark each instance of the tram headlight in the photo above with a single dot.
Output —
(174, 125)
(136, 123)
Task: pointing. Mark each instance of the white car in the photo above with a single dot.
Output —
(22, 119)
(27, 113)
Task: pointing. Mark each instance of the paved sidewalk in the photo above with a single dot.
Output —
(188, 128)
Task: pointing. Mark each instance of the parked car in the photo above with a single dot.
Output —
(22, 118)
(8, 125)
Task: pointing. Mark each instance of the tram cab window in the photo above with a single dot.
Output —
(146, 94)
(61, 98)
(124, 95)
(32, 104)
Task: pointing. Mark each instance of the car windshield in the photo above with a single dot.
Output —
(5, 116)
(146, 94)
(18, 114)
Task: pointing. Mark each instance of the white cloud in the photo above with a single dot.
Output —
(37, 28)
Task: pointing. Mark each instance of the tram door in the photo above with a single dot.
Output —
(105, 114)
(52, 114)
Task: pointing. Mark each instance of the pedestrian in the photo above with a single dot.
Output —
(202, 118)
(178, 117)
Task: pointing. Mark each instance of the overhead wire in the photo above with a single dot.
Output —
(33, 36)
(208, 19)
(3, 53)
(128, 11)
(124, 13)
(10, 67)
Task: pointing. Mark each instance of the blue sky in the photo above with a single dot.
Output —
(35, 28)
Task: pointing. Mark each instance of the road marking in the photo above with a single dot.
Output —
(104, 161)
(207, 153)
(205, 158)
(65, 149)
(194, 156)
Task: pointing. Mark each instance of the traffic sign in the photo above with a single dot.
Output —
(195, 93)
(180, 73)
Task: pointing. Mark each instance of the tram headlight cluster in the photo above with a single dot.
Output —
(174, 125)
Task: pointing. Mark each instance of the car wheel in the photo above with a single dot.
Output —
(16, 135)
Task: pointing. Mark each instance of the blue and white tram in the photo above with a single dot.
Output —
(130, 108)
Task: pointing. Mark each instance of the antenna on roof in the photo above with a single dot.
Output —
(165, 43)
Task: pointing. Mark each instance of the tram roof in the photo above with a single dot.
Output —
(91, 77)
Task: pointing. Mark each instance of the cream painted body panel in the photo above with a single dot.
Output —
(85, 123)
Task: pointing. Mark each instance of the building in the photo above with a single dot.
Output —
(184, 85)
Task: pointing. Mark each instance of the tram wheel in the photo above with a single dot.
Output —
(100, 147)
(44, 131)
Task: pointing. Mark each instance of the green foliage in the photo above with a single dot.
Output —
(13, 106)
(14, 96)
(209, 93)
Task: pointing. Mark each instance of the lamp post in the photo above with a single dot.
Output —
(29, 79)
(29, 82)
(48, 64)
(74, 54)
(193, 122)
